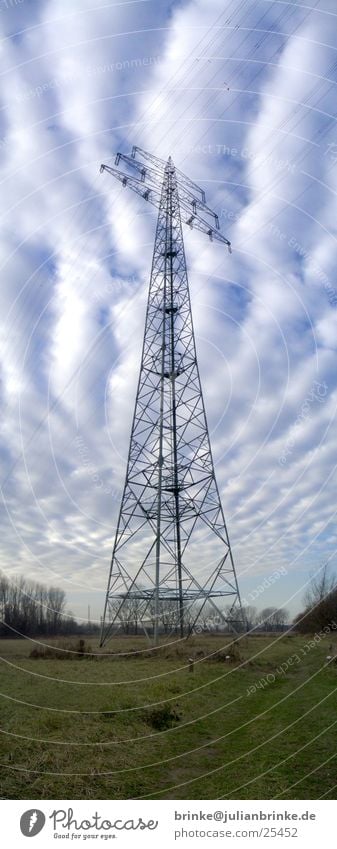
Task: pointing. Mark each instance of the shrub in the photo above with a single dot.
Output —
(63, 651)
(231, 654)
(162, 717)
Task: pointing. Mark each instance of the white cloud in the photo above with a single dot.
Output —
(76, 256)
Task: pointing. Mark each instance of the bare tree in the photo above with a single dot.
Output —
(55, 609)
(129, 615)
(320, 602)
(250, 616)
(281, 617)
(321, 585)
(169, 615)
(273, 618)
(27, 607)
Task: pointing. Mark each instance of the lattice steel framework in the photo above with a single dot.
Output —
(171, 548)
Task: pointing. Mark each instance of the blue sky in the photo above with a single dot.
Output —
(243, 98)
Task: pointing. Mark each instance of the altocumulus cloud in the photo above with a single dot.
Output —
(243, 99)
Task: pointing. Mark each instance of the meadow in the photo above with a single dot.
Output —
(251, 720)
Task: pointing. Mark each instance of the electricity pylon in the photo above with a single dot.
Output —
(171, 549)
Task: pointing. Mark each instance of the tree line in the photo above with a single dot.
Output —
(131, 620)
(320, 603)
(30, 608)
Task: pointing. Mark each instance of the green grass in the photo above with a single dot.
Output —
(143, 725)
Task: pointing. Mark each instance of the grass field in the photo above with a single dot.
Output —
(261, 726)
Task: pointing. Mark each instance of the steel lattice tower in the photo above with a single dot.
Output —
(171, 544)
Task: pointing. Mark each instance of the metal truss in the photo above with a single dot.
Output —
(171, 549)
(147, 182)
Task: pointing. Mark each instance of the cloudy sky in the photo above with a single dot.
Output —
(242, 96)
